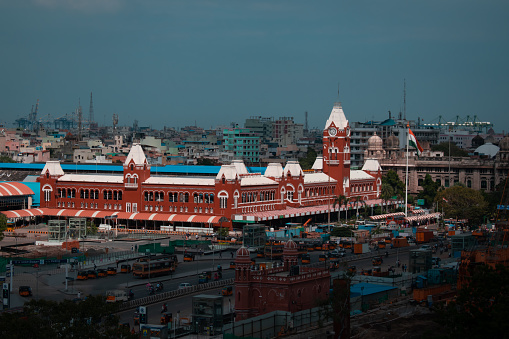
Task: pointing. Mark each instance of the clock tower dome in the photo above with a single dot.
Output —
(336, 149)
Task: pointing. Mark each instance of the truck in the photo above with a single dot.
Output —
(113, 296)
(361, 248)
(399, 242)
(423, 236)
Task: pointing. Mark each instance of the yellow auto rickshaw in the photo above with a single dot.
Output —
(125, 268)
(166, 317)
(227, 290)
(82, 275)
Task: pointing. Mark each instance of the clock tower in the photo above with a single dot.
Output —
(336, 149)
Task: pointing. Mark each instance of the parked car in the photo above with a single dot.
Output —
(184, 286)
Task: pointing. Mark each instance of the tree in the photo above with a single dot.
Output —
(455, 150)
(392, 179)
(460, 202)
(386, 193)
(429, 191)
(4, 159)
(481, 308)
(358, 201)
(91, 318)
(342, 231)
(223, 232)
(3, 225)
(205, 162)
(337, 306)
(339, 201)
(308, 161)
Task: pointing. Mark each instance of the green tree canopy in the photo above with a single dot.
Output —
(91, 318)
(455, 150)
(342, 232)
(3, 225)
(308, 161)
(463, 203)
(481, 308)
(5, 158)
(205, 162)
(429, 191)
(392, 179)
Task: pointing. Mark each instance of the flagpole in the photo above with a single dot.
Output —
(406, 177)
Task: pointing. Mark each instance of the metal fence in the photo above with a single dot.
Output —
(151, 299)
(275, 324)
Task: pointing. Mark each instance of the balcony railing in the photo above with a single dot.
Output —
(131, 185)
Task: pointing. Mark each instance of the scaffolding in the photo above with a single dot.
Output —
(57, 230)
(77, 228)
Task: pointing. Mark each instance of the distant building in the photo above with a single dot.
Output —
(244, 144)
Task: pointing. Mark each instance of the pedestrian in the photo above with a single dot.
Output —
(135, 248)
(132, 248)
(220, 254)
(79, 294)
(95, 266)
(117, 263)
(231, 253)
(197, 236)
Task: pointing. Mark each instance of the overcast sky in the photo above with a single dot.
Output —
(174, 63)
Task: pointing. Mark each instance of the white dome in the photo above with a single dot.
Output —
(487, 149)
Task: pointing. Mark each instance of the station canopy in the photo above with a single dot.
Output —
(59, 212)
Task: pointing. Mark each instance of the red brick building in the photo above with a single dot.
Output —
(140, 199)
(289, 287)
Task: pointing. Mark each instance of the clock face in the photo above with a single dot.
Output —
(333, 131)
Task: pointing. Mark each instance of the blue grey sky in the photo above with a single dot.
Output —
(171, 63)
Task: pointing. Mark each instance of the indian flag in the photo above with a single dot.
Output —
(412, 141)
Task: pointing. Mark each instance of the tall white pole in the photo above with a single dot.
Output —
(406, 176)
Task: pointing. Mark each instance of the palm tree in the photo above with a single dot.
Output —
(387, 192)
(339, 200)
(358, 201)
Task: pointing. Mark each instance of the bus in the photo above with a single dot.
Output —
(273, 250)
(156, 266)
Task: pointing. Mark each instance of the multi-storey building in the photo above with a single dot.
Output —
(244, 144)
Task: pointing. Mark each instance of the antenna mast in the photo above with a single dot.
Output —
(91, 111)
(404, 99)
(306, 117)
(80, 119)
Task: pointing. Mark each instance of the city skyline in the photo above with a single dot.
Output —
(180, 63)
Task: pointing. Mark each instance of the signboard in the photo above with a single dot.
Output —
(420, 202)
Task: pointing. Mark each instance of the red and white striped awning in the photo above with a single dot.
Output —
(423, 217)
(14, 189)
(33, 212)
(169, 217)
(291, 212)
(385, 216)
(418, 211)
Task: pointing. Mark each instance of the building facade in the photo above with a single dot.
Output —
(138, 198)
(287, 287)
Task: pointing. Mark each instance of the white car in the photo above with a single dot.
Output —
(184, 286)
(425, 247)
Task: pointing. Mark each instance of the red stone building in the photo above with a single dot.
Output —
(140, 199)
(289, 287)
